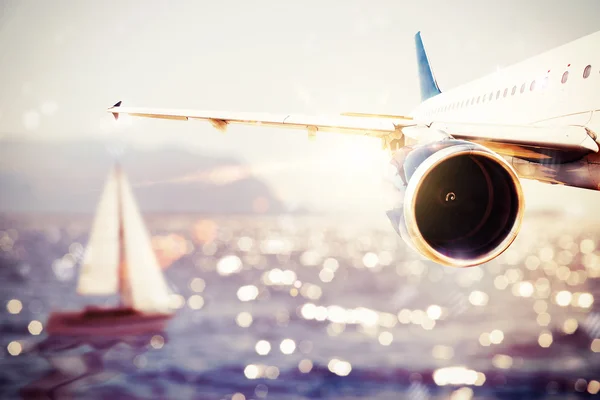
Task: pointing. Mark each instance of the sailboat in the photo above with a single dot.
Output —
(118, 259)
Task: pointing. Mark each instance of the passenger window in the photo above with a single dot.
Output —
(532, 86)
(565, 77)
(491, 96)
(513, 91)
(545, 82)
(478, 98)
(505, 92)
(498, 95)
(587, 71)
(522, 88)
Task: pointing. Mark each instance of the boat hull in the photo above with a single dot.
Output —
(106, 322)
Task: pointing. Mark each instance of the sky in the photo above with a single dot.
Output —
(64, 62)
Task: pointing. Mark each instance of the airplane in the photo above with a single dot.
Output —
(459, 155)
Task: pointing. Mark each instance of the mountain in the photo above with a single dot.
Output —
(69, 177)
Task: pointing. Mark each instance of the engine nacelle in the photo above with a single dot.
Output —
(462, 203)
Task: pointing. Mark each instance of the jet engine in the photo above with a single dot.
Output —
(462, 203)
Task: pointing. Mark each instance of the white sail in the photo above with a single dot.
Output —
(145, 288)
(99, 273)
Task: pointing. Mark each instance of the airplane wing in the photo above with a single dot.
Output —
(512, 140)
(379, 128)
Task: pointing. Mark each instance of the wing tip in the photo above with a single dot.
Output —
(115, 114)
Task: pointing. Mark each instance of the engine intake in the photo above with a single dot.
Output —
(463, 203)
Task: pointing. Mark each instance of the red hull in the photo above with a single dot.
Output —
(106, 322)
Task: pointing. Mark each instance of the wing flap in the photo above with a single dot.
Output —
(366, 115)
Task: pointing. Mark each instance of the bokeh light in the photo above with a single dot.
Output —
(244, 319)
(14, 348)
(247, 293)
(287, 346)
(35, 327)
(339, 367)
(478, 298)
(563, 298)
(195, 302)
(14, 306)
(263, 347)
(305, 366)
(545, 339)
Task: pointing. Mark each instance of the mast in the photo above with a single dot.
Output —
(122, 271)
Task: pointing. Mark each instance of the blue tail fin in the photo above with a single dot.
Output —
(429, 87)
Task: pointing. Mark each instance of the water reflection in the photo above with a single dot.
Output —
(78, 364)
(293, 308)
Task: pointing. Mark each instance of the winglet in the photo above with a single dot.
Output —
(115, 114)
(429, 86)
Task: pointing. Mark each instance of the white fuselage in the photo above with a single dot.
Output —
(530, 92)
